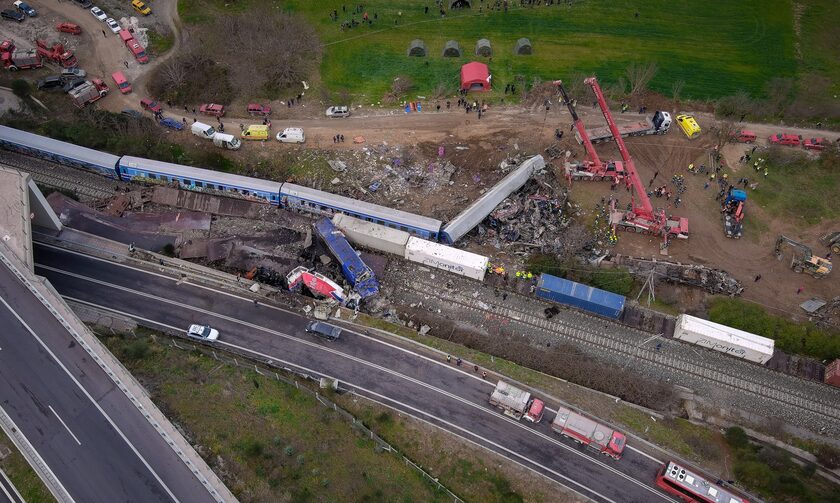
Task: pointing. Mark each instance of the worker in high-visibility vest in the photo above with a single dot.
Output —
(518, 274)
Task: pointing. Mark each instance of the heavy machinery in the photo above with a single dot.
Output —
(641, 218)
(832, 240)
(56, 53)
(592, 169)
(733, 213)
(804, 260)
(15, 60)
(658, 123)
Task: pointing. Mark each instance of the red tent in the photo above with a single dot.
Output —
(475, 76)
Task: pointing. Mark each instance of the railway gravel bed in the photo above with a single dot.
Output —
(726, 382)
(87, 186)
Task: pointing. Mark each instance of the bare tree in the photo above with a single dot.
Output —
(723, 133)
(173, 73)
(676, 90)
(639, 76)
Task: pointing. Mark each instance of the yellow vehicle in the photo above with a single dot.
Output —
(255, 132)
(141, 7)
(689, 126)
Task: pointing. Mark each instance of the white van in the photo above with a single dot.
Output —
(203, 130)
(291, 135)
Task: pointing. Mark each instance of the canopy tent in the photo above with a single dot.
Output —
(459, 4)
(417, 48)
(475, 76)
(452, 49)
(482, 48)
(522, 47)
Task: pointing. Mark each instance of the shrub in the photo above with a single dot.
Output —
(136, 350)
(828, 456)
(21, 88)
(737, 438)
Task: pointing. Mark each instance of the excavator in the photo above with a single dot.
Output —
(642, 217)
(804, 260)
(593, 169)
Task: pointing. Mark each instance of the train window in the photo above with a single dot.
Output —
(164, 178)
(246, 192)
(198, 184)
(187, 182)
(151, 176)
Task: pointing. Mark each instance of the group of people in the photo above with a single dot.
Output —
(459, 361)
(339, 138)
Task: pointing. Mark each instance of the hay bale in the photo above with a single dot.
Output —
(482, 48)
(417, 48)
(522, 47)
(452, 50)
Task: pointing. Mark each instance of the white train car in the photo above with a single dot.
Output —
(731, 341)
(447, 258)
(370, 235)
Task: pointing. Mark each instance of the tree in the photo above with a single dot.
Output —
(21, 88)
(676, 90)
(639, 76)
(723, 133)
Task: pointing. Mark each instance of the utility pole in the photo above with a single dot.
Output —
(649, 285)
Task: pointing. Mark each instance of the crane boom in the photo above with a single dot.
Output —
(646, 209)
(581, 129)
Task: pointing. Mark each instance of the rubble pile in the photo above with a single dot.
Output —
(714, 281)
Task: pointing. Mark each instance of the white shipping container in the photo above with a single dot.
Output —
(724, 339)
(447, 258)
(371, 235)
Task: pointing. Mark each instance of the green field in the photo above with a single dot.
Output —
(717, 47)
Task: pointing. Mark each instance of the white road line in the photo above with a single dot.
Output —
(646, 455)
(65, 425)
(337, 353)
(12, 493)
(95, 404)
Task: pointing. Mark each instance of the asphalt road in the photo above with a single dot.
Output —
(453, 398)
(99, 446)
(8, 492)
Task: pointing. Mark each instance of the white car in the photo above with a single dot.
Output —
(98, 14)
(291, 135)
(113, 25)
(341, 111)
(203, 332)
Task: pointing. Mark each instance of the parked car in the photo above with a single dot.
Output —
(150, 105)
(171, 123)
(13, 15)
(815, 143)
(324, 330)
(113, 25)
(122, 83)
(134, 114)
(212, 109)
(141, 7)
(73, 83)
(785, 139)
(51, 82)
(257, 109)
(744, 136)
(73, 73)
(340, 111)
(71, 28)
(291, 135)
(98, 13)
(25, 8)
(85, 4)
(203, 332)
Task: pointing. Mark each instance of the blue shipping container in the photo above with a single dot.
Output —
(584, 297)
(355, 270)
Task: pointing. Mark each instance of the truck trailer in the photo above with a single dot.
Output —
(659, 123)
(588, 432)
(359, 275)
(731, 341)
(517, 403)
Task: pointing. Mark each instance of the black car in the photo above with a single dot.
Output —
(72, 84)
(51, 82)
(14, 15)
(84, 3)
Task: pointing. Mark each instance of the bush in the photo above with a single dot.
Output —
(614, 280)
(21, 88)
(136, 350)
(737, 438)
(828, 456)
(251, 447)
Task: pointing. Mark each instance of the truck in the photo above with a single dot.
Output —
(590, 433)
(733, 213)
(134, 46)
(724, 339)
(21, 60)
(517, 403)
(56, 53)
(208, 132)
(87, 93)
(658, 123)
(358, 273)
(588, 298)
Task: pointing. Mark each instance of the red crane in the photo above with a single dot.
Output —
(593, 169)
(641, 218)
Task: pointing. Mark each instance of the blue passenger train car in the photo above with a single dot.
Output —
(355, 270)
(101, 163)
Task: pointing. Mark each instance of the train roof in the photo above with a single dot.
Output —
(697, 484)
(204, 175)
(374, 211)
(83, 154)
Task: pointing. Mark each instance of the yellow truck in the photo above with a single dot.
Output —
(255, 132)
(141, 7)
(689, 126)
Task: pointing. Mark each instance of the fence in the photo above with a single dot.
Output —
(267, 369)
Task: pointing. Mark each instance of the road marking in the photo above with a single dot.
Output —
(11, 493)
(65, 425)
(335, 352)
(95, 404)
(645, 455)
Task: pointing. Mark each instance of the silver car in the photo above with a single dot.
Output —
(339, 111)
(203, 332)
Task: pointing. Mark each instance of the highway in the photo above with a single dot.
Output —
(8, 492)
(452, 398)
(89, 434)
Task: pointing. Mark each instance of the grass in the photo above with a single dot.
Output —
(22, 475)
(160, 44)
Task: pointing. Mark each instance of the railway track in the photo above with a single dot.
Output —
(777, 387)
(56, 176)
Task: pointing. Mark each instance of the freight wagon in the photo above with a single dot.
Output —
(725, 339)
(372, 236)
(355, 270)
(584, 297)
